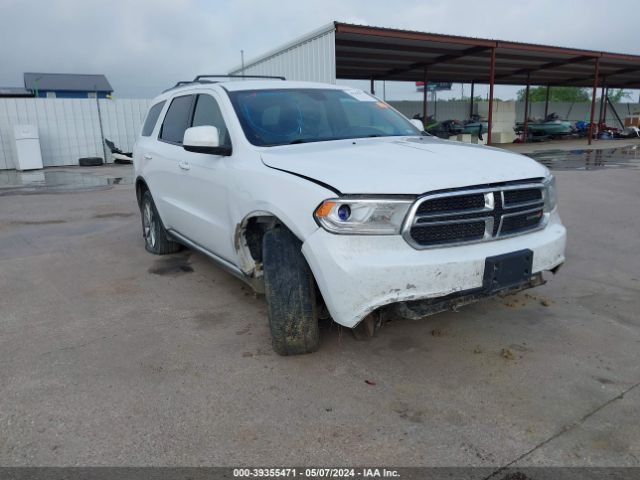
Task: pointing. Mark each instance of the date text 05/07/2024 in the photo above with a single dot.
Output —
(315, 473)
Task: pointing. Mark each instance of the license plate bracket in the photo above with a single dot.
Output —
(507, 270)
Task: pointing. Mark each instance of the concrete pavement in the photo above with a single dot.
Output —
(111, 356)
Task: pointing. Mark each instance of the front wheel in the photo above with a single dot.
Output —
(290, 291)
(156, 239)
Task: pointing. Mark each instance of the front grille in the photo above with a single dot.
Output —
(451, 204)
(521, 222)
(446, 233)
(476, 214)
(514, 197)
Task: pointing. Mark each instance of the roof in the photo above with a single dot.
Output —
(238, 85)
(235, 86)
(67, 81)
(15, 92)
(364, 52)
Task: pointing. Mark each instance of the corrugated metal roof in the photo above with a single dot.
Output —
(67, 81)
(348, 51)
(448, 38)
(364, 52)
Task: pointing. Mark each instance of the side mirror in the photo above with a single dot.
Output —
(204, 139)
(418, 124)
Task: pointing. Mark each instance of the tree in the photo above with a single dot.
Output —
(618, 95)
(476, 98)
(556, 94)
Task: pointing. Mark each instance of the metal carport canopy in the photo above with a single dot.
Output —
(366, 53)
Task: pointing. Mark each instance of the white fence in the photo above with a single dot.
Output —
(70, 128)
(459, 110)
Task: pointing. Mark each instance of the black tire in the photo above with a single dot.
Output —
(290, 291)
(156, 239)
(90, 161)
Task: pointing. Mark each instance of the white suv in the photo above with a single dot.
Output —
(326, 199)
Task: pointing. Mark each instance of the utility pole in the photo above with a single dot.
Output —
(242, 61)
(104, 150)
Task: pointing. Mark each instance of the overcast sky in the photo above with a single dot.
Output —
(144, 46)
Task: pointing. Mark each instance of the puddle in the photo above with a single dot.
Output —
(114, 215)
(13, 182)
(627, 156)
(171, 266)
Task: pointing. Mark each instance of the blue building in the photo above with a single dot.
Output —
(67, 85)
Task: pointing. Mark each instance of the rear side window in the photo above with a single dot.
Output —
(176, 120)
(207, 112)
(152, 118)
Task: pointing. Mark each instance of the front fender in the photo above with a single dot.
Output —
(291, 199)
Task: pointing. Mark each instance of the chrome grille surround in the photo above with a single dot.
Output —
(493, 213)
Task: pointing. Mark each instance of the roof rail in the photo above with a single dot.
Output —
(178, 84)
(199, 77)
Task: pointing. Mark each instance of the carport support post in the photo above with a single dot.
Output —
(593, 98)
(526, 110)
(471, 101)
(546, 102)
(424, 99)
(104, 148)
(602, 104)
(492, 73)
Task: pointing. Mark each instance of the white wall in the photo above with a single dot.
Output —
(442, 111)
(312, 58)
(70, 128)
(459, 110)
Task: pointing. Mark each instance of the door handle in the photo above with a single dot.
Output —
(146, 156)
(184, 165)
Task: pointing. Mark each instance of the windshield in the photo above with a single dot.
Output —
(288, 116)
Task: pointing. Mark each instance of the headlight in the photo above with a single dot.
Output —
(360, 216)
(550, 197)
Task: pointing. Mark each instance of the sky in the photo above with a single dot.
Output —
(145, 46)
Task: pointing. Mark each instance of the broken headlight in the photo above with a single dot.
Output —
(362, 216)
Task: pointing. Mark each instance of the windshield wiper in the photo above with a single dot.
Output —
(299, 140)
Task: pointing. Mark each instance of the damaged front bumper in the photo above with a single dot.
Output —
(358, 274)
(417, 309)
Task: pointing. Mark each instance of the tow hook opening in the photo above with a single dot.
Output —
(557, 268)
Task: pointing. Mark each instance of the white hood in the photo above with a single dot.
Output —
(401, 165)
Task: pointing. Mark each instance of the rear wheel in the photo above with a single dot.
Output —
(156, 239)
(290, 291)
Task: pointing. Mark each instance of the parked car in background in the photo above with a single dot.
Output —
(325, 198)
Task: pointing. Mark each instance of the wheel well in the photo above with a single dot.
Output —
(248, 241)
(141, 187)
